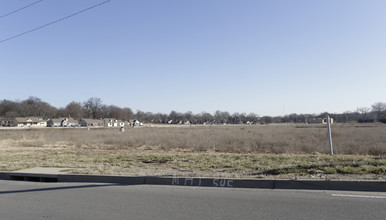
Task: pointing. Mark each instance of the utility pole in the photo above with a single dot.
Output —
(329, 134)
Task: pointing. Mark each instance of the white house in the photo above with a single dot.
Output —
(54, 122)
(62, 122)
(70, 122)
(121, 123)
(29, 122)
(111, 122)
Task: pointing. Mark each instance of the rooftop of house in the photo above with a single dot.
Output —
(29, 119)
(90, 120)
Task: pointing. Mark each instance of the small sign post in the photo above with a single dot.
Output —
(329, 134)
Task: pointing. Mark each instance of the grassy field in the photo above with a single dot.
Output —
(257, 151)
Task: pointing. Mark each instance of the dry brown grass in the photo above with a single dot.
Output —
(237, 151)
(347, 139)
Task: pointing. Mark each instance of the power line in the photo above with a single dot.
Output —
(53, 22)
(12, 12)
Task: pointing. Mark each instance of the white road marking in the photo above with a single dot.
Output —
(359, 196)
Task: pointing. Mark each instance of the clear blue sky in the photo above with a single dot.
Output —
(267, 57)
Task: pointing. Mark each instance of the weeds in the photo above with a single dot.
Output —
(232, 151)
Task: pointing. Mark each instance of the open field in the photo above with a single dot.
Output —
(228, 151)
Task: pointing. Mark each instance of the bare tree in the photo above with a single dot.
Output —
(127, 114)
(266, 119)
(173, 117)
(206, 117)
(252, 118)
(364, 114)
(159, 118)
(235, 118)
(222, 117)
(144, 116)
(9, 107)
(188, 116)
(74, 110)
(379, 109)
(93, 107)
(112, 111)
(363, 111)
(34, 106)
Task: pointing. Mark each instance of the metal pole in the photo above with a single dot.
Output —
(329, 134)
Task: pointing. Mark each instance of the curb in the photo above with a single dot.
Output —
(211, 182)
(354, 185)
(101, 179)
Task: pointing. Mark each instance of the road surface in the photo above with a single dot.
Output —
(35, 200)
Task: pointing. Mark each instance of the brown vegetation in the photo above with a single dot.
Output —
(199, 150)
(354, 139)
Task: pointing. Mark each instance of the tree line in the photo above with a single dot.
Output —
(92, 108)
(95, 109)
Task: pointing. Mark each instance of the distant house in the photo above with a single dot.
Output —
(325, 121)
(54, 122)
(62, 122)
(319, 121)
(135, 123)
(91, 123)
(110, 122)
(7, 122)
(29, 122)
(121, 123)
(70, 122)
(42, 122)
(315, 121)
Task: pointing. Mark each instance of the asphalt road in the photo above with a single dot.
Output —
(30, 200)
